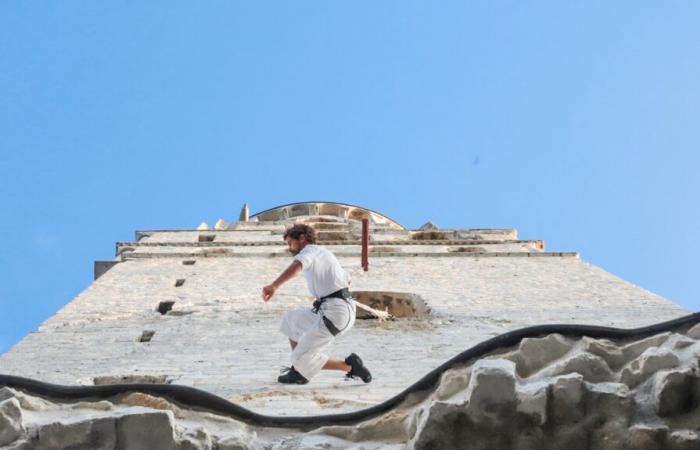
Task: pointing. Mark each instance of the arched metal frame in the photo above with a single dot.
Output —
(318, 208)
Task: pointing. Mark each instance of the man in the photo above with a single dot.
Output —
(311, 331)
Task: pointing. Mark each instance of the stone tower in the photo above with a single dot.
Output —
(184, 307)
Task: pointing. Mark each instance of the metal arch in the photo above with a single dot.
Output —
(330, 203)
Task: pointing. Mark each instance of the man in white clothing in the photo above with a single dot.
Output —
(311, 331)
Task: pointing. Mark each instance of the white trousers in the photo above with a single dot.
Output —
(307, 329)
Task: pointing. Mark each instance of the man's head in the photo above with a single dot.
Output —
(298, 236)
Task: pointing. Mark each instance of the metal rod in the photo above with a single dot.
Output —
(365, 244)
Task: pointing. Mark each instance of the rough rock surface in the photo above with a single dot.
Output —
(551, 392)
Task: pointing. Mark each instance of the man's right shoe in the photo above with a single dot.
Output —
(291, 376)
(357, 368)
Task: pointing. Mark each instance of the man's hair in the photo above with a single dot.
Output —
(299, 229)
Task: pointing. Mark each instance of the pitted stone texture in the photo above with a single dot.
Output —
(568, 395)
(535, 353)
(593, 368)
(694, 331)
(652, 360)
(491, 391)
(11, 426)
(452, 382)
(91, 433)
(637, 347)
(147, 431)
(27, 402)
(532, 402)
(603, 348)
(675, 392)
(683, 440)
(646, 437)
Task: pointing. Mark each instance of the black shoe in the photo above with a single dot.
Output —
(291, 376)
(357, 368)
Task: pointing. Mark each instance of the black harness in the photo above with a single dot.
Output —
(342, 293)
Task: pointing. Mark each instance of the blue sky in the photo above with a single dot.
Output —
(574, 122)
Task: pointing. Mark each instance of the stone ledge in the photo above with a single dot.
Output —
(320, 242)
(131, 256)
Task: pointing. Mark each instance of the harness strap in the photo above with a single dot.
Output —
(343, 294)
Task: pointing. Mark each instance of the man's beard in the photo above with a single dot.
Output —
(294, 252)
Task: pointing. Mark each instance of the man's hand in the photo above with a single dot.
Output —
(268, 291)
(290, 272)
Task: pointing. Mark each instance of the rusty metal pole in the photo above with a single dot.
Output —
(365, 244)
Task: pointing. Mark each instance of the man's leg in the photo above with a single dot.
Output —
(336, 364)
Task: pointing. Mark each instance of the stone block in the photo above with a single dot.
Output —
(683, 440)
(694, 331)
(674, 392)
(195, 439)
(535, 353)
(147, 431)
(90, 433)
(11, 426)
(652, 360)
(611, 353)
(646, 437)
(532, 402)
(491, 391)
(452, 382)
(26, 402)
(611, 435)
(610, 400)
(593, 368)
(636, 348)
(567, 399)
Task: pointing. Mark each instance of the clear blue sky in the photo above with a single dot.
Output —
(574, 122)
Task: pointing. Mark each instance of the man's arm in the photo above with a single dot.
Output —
(289, 273)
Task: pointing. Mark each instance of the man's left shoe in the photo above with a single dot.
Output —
(357, 368)
(291, 376)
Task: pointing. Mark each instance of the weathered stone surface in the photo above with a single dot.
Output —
(612, 399)
(569, 437)
(683, 440)
(130, 379)
(532, 401)
(195, 439)
(674, 392)
(637, 347)
(646, 437)
(149, 401)
(567, 402)
(147, 431)
(652, 360)
(694, 331)
(11, 426)
(611, 353)
(611, 435)
(440, 426)
(535, 353)
(593, 368)
(679, 342)
(452, 382)
(20, 445)
(26, 402)
(491, 391)
(103, 405)
(90, 433)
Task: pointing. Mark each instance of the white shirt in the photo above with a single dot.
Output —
(322, 271)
